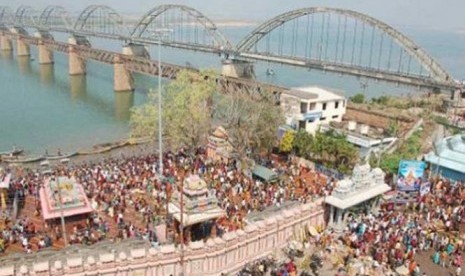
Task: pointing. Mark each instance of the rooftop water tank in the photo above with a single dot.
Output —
(364, 129)
(352, 126)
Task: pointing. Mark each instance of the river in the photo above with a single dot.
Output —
(43, 108)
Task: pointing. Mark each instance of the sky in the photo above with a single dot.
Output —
(426, 14)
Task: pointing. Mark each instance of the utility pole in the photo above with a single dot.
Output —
(160, 129)
(182, 222)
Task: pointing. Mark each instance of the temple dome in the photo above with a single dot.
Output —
(194, 183)
(377, 172)
(344, 186)
(362, 169)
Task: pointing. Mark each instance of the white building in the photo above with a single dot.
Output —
(361, 191)
(309, 107)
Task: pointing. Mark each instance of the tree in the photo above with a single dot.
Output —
(302, 143)
(358, 98)
(192, 106)
(250, 124)
(187, 109)
(287, 140)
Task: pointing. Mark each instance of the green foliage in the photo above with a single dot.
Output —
(409, 150)
(382, 100)
(191, 105)
(287, 141)
(144, 121)
(393, 128)
(330, 148)
(358, 98)
(186, 111)
(251, 124)
(302, 143)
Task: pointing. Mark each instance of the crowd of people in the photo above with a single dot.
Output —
(432, 226)
(130, 200)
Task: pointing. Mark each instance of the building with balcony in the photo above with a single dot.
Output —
(309, 107)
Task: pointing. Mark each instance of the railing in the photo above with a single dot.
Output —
(135, 257)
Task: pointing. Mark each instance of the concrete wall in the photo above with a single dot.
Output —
(133, 257)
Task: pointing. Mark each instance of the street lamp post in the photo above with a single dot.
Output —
(62, 214)
(158, 34)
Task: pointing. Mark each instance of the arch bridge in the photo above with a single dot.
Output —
(329, 39)
(343, 41)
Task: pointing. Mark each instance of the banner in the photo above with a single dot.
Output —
(410, 175)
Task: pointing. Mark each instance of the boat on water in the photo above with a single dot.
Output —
(102, 148)
(13, 152)
(60, 156)
(269, 72)
(16, 159)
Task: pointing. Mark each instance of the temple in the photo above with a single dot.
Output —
(360, 192)
(200, 207)
(73, 198)
(219, 147)
(448, 158)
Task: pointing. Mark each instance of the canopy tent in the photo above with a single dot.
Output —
(264, 173)
(73, 198)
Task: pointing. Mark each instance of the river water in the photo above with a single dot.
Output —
(42, 107)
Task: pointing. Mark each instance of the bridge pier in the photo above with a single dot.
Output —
(77, 65)
(45, 55)
(22, 48)
(238, 69)
(137, 50)
(5, 43)
(122, 78)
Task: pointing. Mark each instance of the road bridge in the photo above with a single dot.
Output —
(328, 39)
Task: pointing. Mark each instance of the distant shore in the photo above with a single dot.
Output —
(234, 23)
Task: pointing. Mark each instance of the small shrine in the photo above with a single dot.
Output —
(361, 192)
(219, 146)
(63, 197)
(200, 207)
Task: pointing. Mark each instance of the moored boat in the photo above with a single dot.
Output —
(61, 156)
(13, 152)
(102, 148)
(16, 159)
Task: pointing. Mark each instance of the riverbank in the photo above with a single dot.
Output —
(128, 149)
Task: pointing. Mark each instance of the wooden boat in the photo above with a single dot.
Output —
(30, 159)
(13, 152)
(61, 156)
(102, 148)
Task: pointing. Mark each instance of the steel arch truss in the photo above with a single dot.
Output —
(6, 16)
(100, 20)
(55, 18)
(435, 72)
(25, 16)
(187, 28)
